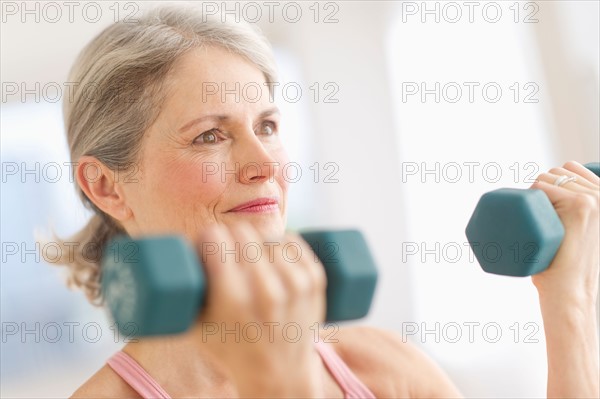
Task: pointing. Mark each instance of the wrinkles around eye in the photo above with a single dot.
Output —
(217, 136)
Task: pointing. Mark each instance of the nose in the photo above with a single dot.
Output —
(256, 163)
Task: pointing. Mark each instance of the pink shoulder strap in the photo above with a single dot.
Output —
(133, 374)
(350, 384)
(136, 376)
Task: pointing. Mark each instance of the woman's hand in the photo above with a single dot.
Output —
(573, 275)
(262, 299)
(568, 289)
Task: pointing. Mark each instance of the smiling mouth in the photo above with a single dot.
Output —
(258, 205)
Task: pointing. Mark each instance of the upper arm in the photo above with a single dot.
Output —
(384, 360)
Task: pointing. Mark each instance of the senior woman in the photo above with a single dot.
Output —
(146, 137)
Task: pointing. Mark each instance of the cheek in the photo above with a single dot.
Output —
(192, 183)
(281, 157)
(175, 193)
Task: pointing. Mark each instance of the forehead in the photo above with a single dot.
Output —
(213, 77)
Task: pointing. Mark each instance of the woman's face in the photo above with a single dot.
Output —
(214, 147)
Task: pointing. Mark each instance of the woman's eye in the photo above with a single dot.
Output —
(268, 128)
(209, 137)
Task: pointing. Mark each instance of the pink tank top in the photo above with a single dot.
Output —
(132, 373)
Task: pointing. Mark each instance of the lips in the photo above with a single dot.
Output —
(265, 203)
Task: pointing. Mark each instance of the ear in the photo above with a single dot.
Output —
(98, 182)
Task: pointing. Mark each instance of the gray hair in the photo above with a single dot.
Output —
(126, 65)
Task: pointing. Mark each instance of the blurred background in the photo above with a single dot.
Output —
(408, 111)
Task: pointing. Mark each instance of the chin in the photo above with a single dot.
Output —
(267, 226)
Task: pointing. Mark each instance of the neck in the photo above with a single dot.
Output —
(182, 364)
(179, 359)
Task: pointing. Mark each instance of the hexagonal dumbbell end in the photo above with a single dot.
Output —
(350, 269)
(514, 232)
(152, 286)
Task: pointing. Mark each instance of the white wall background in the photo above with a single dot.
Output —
(373, 134)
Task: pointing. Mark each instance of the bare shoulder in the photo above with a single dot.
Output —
(389, 366)
(105, 384)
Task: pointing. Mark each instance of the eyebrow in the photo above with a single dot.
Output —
(221, 117)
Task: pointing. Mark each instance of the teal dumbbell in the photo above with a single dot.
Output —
(156, 285)
(516, 232)
(594, 167)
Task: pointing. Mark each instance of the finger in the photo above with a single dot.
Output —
(550, 178)
(311, 280)
(581, 180)
(246, 248)
(581, 170)
(222, 276)
(264, 281)
(554, 193)
(286, 263)
(313, 265)
(208, 246)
